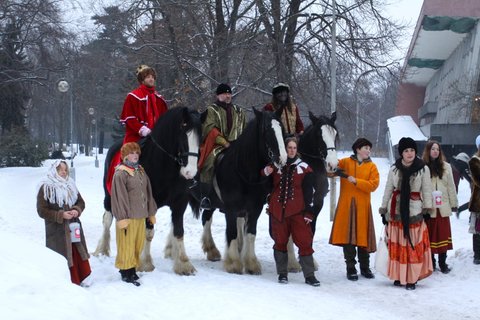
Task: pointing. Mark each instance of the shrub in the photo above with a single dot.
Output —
(18, 149)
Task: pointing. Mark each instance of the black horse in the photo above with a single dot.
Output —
(317, 148)
(169, 157)
(240, 191)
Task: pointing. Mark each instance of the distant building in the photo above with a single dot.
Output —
(440, 85)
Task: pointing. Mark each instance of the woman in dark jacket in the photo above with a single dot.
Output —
(59, 203)
(474, 206)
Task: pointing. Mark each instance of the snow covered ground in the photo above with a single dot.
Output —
(35, 281)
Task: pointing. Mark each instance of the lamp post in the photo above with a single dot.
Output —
(63, 86)
(91, 111)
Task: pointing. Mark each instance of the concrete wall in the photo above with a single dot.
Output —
(409, 99)
(452, 85)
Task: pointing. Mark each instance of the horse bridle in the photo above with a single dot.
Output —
(321, 156)
(180, 156)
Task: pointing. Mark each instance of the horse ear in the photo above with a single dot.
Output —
(312, 117)
(256, 112)
(334, 116)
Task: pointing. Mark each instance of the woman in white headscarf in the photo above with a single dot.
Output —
(59, 203)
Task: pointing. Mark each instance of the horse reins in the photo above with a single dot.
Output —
(321, 156)
(178, 159)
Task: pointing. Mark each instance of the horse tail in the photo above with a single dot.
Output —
(108, 170)
(195, 205)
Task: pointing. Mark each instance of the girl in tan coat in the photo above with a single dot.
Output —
(445, 201)
(132, 202)
(353, 226)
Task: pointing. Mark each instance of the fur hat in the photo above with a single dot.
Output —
(279, 87)
(462, 156)
(128, 148)
(223, 88)
(477, 142)
(405, 143)
(143, 71)
(360, 142)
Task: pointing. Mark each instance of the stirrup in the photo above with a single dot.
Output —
(205, 204)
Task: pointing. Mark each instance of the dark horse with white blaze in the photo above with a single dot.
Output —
(316, 147)
(169, 157)
(240, 191)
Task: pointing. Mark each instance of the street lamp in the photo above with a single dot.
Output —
(63, 86)
(91, 111)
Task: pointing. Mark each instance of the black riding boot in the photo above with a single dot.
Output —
(205, 202)
(281, 262)
(364, 259)
(308, 268)
(349, 253)
(476, 248)
(442, 258)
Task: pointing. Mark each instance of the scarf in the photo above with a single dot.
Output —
(57, 189)
(406, 173)
(228, 110)
(130, 164)
(149, 92)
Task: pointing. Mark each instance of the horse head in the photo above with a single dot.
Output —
(178, 135)
(271, 131)
(322, 137)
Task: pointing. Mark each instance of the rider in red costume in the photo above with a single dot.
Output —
(141, 110)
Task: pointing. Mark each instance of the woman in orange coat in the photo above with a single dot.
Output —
(353, 224)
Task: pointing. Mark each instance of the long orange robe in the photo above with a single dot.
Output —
(353, 223)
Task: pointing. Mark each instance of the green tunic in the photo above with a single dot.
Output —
(217, 118)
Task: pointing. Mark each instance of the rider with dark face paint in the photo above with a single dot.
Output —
(290, 114)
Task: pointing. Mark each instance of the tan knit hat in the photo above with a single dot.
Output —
(128, 148)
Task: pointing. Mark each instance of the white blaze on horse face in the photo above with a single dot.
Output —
(328, 135)
(190, 170)
(281, 145)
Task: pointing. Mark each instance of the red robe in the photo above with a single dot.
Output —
(142, 107)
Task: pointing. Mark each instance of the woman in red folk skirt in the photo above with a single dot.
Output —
(405, 204)
(444, 202)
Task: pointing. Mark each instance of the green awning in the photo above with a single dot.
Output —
(425, 63)
(457, 25)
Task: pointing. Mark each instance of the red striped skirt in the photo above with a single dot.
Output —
(407, 264)
(440, 234)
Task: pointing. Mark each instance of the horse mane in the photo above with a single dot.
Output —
(308, 146)
(243, 155)
(168, 127)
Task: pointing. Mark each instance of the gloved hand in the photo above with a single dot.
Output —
(308, 217)
(339, 172)
(384, 219)
(152, 219)
(144, 131)
(123, 224)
